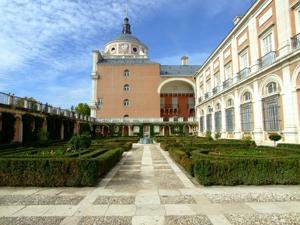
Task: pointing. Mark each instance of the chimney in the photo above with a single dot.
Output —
(236, 20)
(184, 60)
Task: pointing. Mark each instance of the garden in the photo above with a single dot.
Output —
(81, 161)
(234, 162)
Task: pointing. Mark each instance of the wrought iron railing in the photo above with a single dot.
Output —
(296, 41)
(227, 83)
(216, 90)
(207, 95)
(243, 73)
(267, 60)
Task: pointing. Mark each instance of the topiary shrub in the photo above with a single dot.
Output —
(78, 142)
(208, 135)
(275, 137)
(42, 138)
(217, 135)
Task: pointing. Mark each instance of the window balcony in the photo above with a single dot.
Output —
(200, 100)
(267, 60)
(243, 73)
(227, 83)
(296, 41)
(207, 95)
(216, 90)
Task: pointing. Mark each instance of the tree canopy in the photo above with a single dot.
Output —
(83, 108)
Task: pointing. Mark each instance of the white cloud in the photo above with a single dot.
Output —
(44, 43)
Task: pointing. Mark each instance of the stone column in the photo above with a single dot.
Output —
(62, 131)
(237, 116)
(18, 136)
(258, 114)
(289, 108)
(76, 127)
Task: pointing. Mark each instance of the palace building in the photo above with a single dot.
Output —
(250, 85)
(129, 87)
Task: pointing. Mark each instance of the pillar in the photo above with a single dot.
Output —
(18, 136)
(258, 114)
(237, 116)
(76, 127)
(289, 108)
(62, 130)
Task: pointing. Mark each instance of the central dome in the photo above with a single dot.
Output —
(126, 45)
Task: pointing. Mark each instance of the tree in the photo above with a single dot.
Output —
(83, 108)
(275, 137)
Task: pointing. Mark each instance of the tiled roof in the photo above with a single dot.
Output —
(181, 70)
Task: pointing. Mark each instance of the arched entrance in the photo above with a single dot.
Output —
(105, 131)
(177, 98)
(125, 131)
(186, 130)
(166, 131)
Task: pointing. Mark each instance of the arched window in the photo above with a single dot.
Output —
(247, 97)
(246, 113)
(126, 87)
(218, 118)
(229, 103)
(271, 88)
(209, 119)
(126, 103)
(126, 73)
(126, 116)
(229, 115)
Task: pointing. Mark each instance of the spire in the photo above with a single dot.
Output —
(126, 25)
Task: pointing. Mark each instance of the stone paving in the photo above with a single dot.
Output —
(148, 188)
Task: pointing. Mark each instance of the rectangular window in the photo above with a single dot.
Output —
(208, 86)
(230, 120)
(191, 102)
(228, 71)
(201, 90)
(218, 121)
(246, 117)
(217, 79)
(244, 60)
(174, 102)
(271, 113)
(162, 103)
(208, 122)
(297, 17)
(201, 123)
(267, 44)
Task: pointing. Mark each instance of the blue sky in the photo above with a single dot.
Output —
(45, 45)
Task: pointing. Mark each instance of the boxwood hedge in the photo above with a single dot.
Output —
(57, 172)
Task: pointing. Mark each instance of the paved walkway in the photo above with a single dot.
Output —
(147, 188)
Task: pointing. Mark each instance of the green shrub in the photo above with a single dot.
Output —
(80, 142)
(274, 137)
(42, 138)
(57, 172)
(289, 146)
(217, 135)
(183, 159)
(208, 135)
(223, 170)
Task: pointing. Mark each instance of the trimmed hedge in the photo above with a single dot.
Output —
(57, 172)
(216, 170)
(183, 159)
